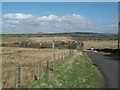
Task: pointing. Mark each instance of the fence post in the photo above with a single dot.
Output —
(47, 66)
(67, 54)
(58, 57)
(63, 55)
(53, 56)
(38, 71)
(70, 52)
(17, 76)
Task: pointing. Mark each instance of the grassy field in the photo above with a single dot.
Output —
(77, 72)
(27, 58)
(34, 39)
(112, 44)
(49, 39)
(35, 42)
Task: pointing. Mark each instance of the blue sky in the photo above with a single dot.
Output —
(99, 14)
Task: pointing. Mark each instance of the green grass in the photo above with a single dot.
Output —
(78, 72)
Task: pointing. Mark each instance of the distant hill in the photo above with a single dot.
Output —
(60, 33)
(73, 35)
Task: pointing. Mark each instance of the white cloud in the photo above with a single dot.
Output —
(19, 22)
(17, 16)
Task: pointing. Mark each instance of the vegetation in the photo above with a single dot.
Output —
(75, 35)
(115, 53)
(89, 39)
(78, 72)
(99, 37)
(111, 44)
(27, 58)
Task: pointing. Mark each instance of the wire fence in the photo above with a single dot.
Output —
(27, 73)
(30, 73)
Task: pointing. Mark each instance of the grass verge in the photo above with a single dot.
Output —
(77, 72)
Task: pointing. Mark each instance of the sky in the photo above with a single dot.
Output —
(28, 17)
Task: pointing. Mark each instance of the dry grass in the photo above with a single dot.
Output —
(14, 39)
(27, 58)
(49, 39)
(35, 39)
(100, 44)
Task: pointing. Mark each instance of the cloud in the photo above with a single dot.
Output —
(17, 16)
(18, 22)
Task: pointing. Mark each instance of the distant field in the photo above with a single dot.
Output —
(101, 44)
(14, 39)
(25, 57)
(35, 39)
(47, 39)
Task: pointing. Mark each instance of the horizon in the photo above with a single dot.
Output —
(29, 17)
(59, 33)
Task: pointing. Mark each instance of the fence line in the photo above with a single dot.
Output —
(36, 71)
(61, 57)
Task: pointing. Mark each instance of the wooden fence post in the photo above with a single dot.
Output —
(38, 71)
(63, 55)
(17, 76)
(70, 52)
(47, 66)
(58, 57)
(53, 52)
(67, 54)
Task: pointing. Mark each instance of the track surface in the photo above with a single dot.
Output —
(108, 65)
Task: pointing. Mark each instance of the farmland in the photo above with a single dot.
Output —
(25, 57)
(98, 41)
(28, 58)
(39, 52)
(34, 39)
(112, 44)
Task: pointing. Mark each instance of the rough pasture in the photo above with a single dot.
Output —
(27, 58)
